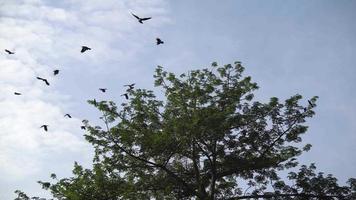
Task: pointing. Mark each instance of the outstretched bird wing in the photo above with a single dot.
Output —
(85, 48)
(126, 95)
(9, 52)
(144, 19)
(43, 79)
(44, 127)
(130, 85)
(135, 16)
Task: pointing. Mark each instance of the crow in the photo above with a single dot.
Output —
(131, 86)
(56, 71)
(45, 127)
(68, 115)
(159, 41)
(17, 93)
(103, 89)
(83, 127)
(141, 19)
(43, 79)
(126, 95)
(310, 103)
(9, 52)
(84, 49)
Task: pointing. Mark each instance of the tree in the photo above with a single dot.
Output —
(207, 140)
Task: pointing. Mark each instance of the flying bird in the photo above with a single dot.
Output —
(17, 93)
(141, 19)
(310, 103)
(83, 127)
(56, 71)
(43, 79)
(45, 127)
(68, 115)
(103, 89)
(84, 49)
(9, 52)
(159, 41)
(126, 95)
(131, 86)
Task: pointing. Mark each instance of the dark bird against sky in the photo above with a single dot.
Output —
(141, 19)
(131, 86)
(84, 49)
(103, 89)
(159, 41)
(83, 127)
(45, 127)
(9, 52)
(126, 95)
(43, 79)
(68, 115)
(17, 93)
(56, 71)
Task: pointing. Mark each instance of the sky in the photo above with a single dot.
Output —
(288, 47)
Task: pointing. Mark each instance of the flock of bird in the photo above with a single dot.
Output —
(84, 49)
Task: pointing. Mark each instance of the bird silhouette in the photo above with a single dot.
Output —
(126, 95)
(83, 127)
(45, 127)
(17, 93)
(131, 86)
(159, 41)
(310, 103)
(56, 71)
(103, 89)
(141, 19)
(68, 115)
(9, 52)
(84, 49)
(43, 79)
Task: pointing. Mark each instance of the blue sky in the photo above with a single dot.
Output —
(288, 47)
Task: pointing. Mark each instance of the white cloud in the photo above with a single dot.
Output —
(45, 34)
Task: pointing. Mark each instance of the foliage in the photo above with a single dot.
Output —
(208, 139)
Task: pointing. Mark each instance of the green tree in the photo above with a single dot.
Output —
(208, 139)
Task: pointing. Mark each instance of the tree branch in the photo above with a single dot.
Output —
(279, 137)
(163, 167)
(253, 164)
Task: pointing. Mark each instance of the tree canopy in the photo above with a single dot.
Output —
(207, 139)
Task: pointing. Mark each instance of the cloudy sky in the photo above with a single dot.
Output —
(288, 47)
